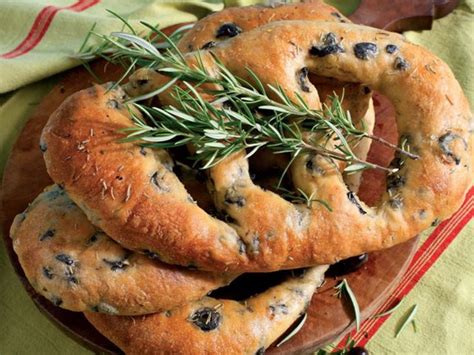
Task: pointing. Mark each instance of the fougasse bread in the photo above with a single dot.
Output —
(78, 267)
(215, 326)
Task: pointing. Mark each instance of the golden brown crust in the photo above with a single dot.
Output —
(211, 326)
(209, 31)
(77, 267)
(243, 19)
(432, 112)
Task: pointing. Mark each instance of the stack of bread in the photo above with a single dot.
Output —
(135, 243)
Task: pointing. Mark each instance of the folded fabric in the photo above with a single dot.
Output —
(38, 39)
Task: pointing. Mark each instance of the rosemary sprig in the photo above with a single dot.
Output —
(116, 50)
(409, 318)
(243, 115)
(387, 312)
(299, 196)
(113, 49)
(343, 288)
(294, 331)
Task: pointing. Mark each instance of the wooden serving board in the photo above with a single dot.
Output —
(328, 317)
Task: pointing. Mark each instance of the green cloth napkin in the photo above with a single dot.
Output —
(69, 28)
(445, 317)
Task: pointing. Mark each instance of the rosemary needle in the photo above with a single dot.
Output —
(344, 288)
(294, 331)
(410, 317)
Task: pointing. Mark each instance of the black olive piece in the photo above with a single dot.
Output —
(143, 151)
(206, 319)
(330, 39)
(395, 181)
(150, 254)
(209, 45)
(444, 142)
(226, 217)
(400, 64)
(326, 50)
(336, 14)
(70, 277)
(48, 234)
(279, 308)
(353, 199)
(228, 30)
(113, 104)
(314, 167)
(93, 238)
(435, 222)
(365, 50)
(116, 264)
(156, 180)
(358, 350)
(347, 266)
(66, 259)
(367, 90)
(391, 48)
(43, 147)
(233, 198)
(56, 301)
(47, 272)
(142, 82)
(260, 351)
(254, 246)
(302, 79)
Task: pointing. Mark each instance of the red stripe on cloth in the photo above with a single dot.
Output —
(423, 260)
(41, 24)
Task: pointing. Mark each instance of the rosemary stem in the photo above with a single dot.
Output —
(338, 156)
(394, 146)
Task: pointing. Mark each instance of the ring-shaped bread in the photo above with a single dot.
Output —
(233, 21)
(77, 267)
(269, 233)
(215, 326)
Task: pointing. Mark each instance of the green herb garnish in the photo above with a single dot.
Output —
(294, 331)
(409, 318)
(386, 313)
(343, 288)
